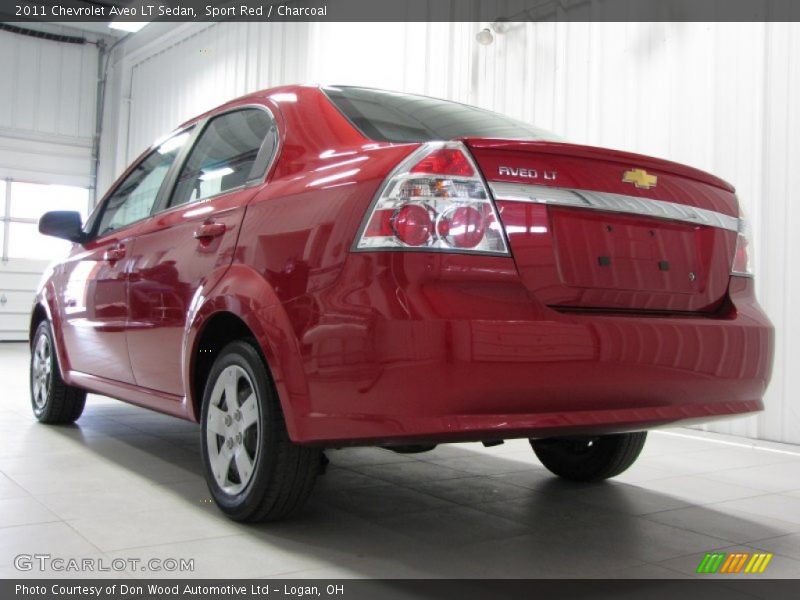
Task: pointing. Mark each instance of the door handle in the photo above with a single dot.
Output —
(114, 254)
(209, 230)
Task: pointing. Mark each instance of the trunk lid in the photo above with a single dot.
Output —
(591, 228)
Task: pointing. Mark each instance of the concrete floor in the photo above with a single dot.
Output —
(127, 483)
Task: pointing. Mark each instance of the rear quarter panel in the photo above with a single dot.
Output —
(296, 236)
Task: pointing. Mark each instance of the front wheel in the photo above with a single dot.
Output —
(53, 401)
(590, 458)
(254, 471)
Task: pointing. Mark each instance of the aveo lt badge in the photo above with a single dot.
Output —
(527, 173)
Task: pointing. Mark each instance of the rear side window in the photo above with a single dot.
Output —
(224, 156)
(394, 117)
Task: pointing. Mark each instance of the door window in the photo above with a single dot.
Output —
(135, 197)
(223, 157)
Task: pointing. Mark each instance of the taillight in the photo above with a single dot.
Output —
(743, 254)
(436, 200)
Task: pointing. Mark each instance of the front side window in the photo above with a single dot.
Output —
(135, 197)
(223, 157)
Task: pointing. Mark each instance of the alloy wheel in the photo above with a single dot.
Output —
(233, 430)
(42, 365)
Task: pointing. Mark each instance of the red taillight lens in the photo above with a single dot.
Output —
(412, 224)
(743, 254)
(445, 161)
(742, 257)
(435, 200)
(462, 227)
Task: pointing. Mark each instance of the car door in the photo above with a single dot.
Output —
(94, 307)
(191, 242)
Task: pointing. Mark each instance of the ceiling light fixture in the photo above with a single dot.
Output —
(129, 26)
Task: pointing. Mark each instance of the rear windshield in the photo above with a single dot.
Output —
(393, 117)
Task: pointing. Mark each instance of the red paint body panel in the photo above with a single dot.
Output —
(168, 266)
(92, 307)
(557, 252)
(381, 347)
(427, 346)
(561, 156)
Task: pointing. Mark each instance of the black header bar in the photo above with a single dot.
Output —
(488, 11)
(744, 588)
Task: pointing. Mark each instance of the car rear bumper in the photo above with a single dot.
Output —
(435, 361)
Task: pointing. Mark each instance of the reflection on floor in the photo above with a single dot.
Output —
(127, 483)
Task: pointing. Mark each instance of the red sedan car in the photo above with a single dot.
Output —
(310, 267)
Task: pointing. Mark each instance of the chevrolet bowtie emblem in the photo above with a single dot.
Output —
(640, 178)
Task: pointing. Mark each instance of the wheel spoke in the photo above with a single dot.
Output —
(216, 420)
(220, 463)
(230, 391)
(249, 410)
(244, 465)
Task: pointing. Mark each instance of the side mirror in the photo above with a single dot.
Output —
(65, 224)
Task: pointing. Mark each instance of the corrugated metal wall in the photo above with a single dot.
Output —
(721, 97)
(213, 63)
(47, 101)
(209, 66)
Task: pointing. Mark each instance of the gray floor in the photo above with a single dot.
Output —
(126, 483)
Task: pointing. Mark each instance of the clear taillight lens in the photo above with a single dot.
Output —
(436, 200)
(743, 255)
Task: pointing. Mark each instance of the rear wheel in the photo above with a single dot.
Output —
(590, 458)
(254, 471)
(53, 401)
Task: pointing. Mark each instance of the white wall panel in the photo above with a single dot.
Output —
(721, 97)
(715, 96)
(776, 209)
(211, 65)
(214, 63)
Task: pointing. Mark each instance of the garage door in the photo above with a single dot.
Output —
(25, 252)
(18, 279)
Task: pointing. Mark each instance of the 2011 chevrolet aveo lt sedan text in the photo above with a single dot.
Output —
(311, 267)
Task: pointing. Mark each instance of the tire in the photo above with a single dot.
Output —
(53, 401)
(254, 471)
(590, 458)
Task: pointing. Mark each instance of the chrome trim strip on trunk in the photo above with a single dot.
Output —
(607, 202)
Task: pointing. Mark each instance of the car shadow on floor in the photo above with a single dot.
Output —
(458, 511)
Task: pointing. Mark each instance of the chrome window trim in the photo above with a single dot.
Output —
(608, 202)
